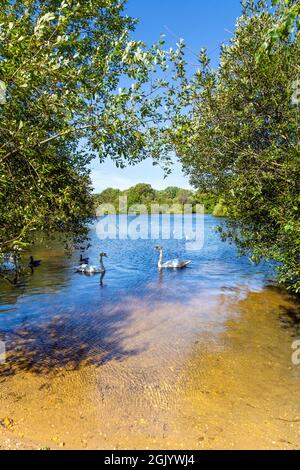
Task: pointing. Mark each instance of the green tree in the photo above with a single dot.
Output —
(171, 196)
(209, 200)
(140, 194)
(108, 196)
(64, 64)
(241, 141)
(184, 196)
(220, 209)
(170, 192)
(287, 23)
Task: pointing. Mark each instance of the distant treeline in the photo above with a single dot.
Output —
(144, 194)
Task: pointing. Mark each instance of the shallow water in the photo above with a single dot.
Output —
(198, 358)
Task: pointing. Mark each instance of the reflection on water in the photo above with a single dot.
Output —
(138, 357)
(61, 316)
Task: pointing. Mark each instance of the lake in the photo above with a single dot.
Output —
(197, 358)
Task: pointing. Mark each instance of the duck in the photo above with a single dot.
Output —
(172, 264)
(33, 263)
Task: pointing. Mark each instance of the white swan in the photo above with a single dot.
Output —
(81, 268)
(92, 270)
(97, 269)
(101, 256)
(87, 269)
(173, 264)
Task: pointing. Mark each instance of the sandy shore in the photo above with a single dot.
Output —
(181, 389)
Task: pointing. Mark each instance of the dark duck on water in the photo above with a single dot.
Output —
(83, 260)
(33, 263)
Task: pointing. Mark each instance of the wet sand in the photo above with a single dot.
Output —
(211, 373)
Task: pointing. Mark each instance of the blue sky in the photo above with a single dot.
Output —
(202, 23)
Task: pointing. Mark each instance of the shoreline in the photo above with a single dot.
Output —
(205, 386)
